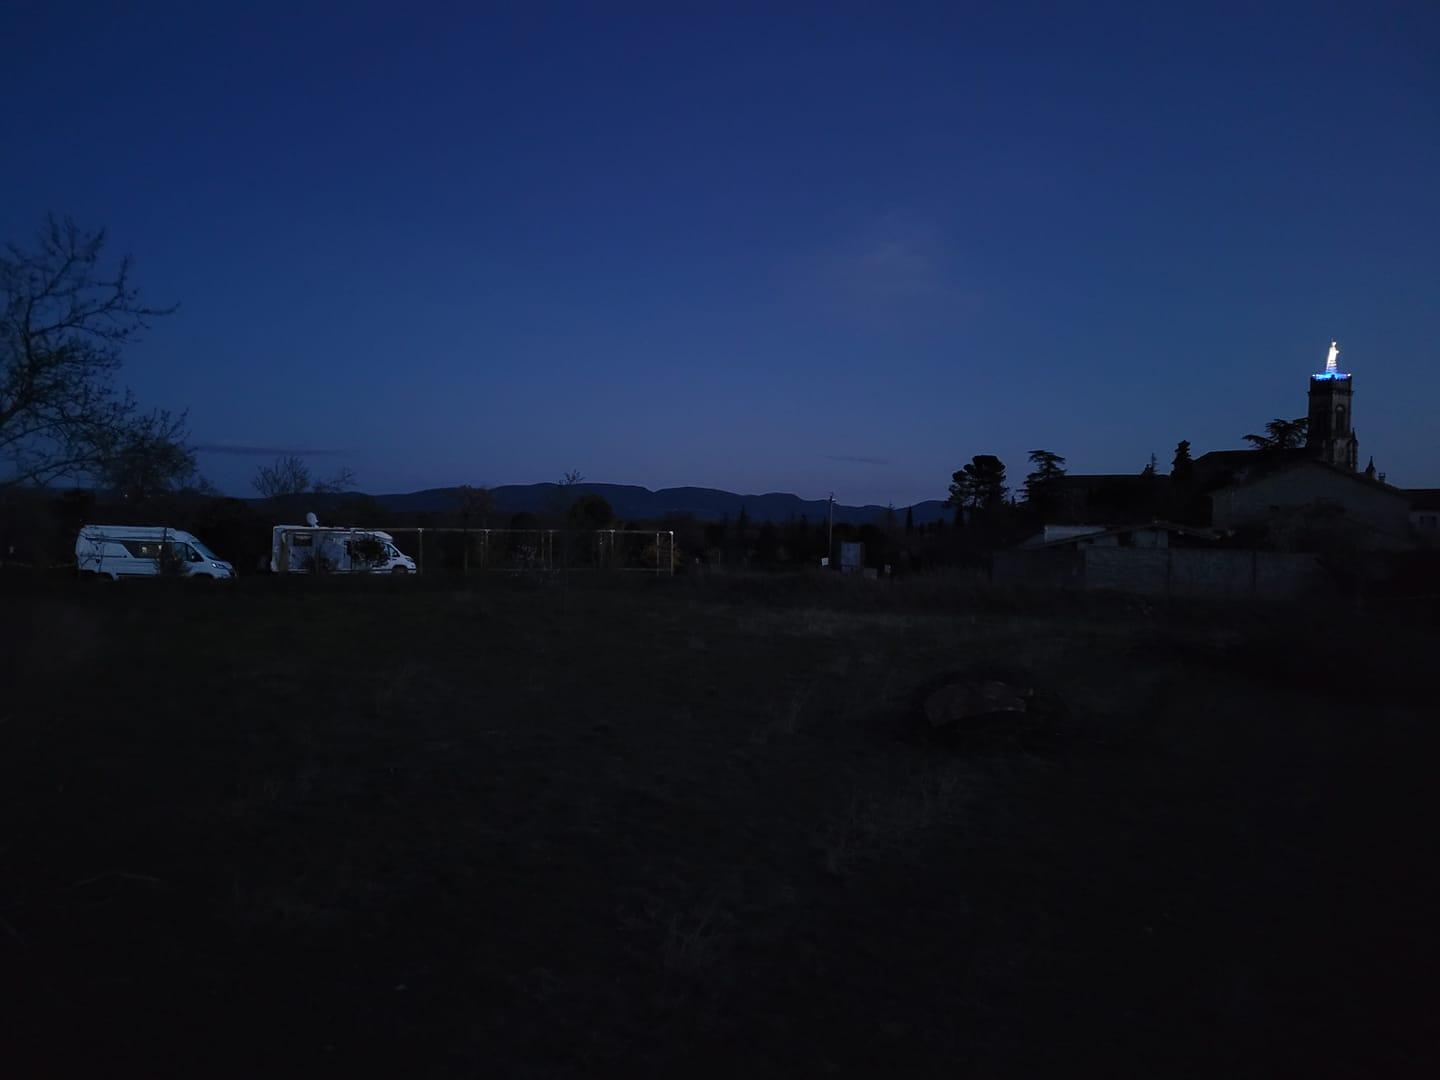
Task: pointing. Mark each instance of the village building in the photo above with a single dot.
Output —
(1286, 497)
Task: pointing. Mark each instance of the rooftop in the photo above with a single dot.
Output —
(1093, 532)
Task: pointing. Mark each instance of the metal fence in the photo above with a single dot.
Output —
(649, 551)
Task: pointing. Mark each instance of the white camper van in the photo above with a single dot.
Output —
(119, 551)
(299, 549)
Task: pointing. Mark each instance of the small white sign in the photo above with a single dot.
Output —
(824, 560)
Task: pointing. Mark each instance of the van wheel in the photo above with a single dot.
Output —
(399, 570)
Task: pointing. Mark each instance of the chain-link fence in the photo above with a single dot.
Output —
(650, 551)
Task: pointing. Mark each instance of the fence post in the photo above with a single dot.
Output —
(419, 551)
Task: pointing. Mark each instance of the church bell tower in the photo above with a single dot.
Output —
(1329, 436)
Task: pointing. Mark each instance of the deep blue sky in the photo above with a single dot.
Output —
(676, 244)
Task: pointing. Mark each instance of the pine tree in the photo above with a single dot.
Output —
(1041, 483)
(979, 484)
(1182, 468)
(1184, 506)
(1281, 434)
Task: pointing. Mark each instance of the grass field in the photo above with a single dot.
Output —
(688, 827)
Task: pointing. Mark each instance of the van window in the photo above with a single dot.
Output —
(142, 549)
(302, 540)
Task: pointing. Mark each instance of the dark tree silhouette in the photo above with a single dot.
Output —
(1182, 468)
(1185, 504)
(291, 476)
(476, 503)
(767, 543)
(1041, 482)
(143, 459)
(64, 321)
(980, 484)
(562, 497)
(340, 480)
(1281, 434)
(909, 519)
(590, 512)
(287, 476)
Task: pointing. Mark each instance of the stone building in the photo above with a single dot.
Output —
(1297, 498)
(1308, 496)
(1293, 495)
(1425, 512)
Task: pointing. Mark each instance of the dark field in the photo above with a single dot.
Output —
(686, 827)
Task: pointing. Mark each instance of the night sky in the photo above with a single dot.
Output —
(766, 249)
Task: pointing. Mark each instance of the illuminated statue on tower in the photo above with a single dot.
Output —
(1330, 437)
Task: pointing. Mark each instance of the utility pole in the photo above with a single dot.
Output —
(830, 531)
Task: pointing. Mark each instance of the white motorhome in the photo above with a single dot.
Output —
(300, 549)
(121, 551)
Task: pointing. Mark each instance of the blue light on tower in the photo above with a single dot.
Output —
(1332, 366)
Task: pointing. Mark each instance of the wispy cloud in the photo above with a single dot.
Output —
(858, 460)
(893, 260)
(245, 450)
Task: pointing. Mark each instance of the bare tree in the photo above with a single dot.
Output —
(64, 321)
(288, 476)
(291, 476)
(146, 458)
(342, 480)
(563, 496)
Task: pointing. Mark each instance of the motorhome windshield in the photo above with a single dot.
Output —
(205, 551)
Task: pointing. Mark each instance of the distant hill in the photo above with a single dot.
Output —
(637, 503)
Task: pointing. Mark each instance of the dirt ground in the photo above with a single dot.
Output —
(690, 827)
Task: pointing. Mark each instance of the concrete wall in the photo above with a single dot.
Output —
(1306, 485)
(1051, 568)
(1143, 570)
(1204, 572)
(1166, 571)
